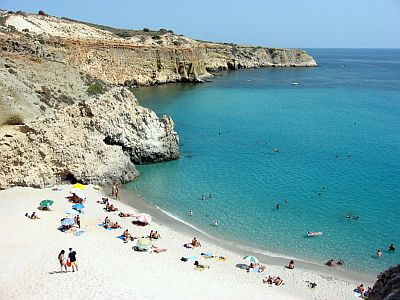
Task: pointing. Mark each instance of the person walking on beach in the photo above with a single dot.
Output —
(72, 259)
(61, 259)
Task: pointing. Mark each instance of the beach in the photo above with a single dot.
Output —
(108, 267)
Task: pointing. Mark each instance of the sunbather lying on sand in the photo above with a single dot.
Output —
(103, 201)
(124, 215)
(112, 225)
(195, 243)
(197, 265)
(110, 208)
(33, 216)
(158, 250)
(273, 280)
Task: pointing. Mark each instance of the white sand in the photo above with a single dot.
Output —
(108, 267)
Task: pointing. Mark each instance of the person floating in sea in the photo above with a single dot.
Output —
(215, 223)
(379, 253)
(286, 202)
(356, 218)
(319, 194)
(340, 262)
(209, 196)
(191, 213)
(391, 248)
(337, 155)
(203, 197)
(277, 206)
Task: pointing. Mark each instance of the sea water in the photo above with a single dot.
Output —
(338, 135)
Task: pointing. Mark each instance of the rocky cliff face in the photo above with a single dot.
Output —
(64, 114)
(96, 141)
(387, 286)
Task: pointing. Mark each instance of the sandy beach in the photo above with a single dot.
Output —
(108, 267)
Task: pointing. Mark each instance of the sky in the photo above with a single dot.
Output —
(278, 23)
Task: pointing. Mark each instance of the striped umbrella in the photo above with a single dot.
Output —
(143, 218)
(251, 259)
(143, 244)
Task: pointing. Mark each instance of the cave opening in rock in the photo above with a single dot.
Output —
(69, 177)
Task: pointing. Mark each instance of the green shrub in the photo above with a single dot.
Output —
(95, 88)
(146, 29)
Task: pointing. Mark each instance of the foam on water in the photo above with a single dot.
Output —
(350, 106)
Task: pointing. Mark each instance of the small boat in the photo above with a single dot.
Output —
(295, 83)
(311, 233)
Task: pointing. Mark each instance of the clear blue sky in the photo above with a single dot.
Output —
(279, 23)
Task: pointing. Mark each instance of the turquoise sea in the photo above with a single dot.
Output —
(338, 132)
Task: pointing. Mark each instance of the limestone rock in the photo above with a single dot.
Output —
(387, 286)
(96, 141)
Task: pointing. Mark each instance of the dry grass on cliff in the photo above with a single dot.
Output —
(121, 32)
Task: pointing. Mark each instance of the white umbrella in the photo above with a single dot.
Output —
(79, 193)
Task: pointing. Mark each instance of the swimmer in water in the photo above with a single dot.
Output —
(209, 196)
(277, 206)
(215, 222)
(202, 197)
(191, 213)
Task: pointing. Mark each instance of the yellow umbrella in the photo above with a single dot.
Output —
(79, 186)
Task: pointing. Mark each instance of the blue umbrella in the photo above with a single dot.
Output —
(72, 212)
(67, 222)
(78, 206)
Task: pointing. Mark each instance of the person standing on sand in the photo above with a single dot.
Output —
(113, 191)
(72, 259)
(61, 259)
(78, 221)
(117, 191)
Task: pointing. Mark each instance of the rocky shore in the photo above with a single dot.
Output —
(66, 103)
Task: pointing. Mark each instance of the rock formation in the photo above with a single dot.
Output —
(387, 286)
(96, 141)
(66, 113)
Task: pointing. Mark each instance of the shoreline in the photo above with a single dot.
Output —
(270, 259)
(30, 249)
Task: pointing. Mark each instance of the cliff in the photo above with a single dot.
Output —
(96, 141)
(387, 286)
(66, 108)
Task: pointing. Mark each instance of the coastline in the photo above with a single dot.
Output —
(108, 267)
(276, 259)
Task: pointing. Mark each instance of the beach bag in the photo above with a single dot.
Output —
(68, 263)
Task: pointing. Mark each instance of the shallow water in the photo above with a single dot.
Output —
(349, 107)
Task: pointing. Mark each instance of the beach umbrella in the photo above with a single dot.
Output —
(143, 218)
(79, 193)
(79, 186)
(67, 222)
(143, 244)
(251, 259)
(78, 206)
(72, 212)
(46, 203)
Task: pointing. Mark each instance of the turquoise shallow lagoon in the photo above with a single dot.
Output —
(338, 132)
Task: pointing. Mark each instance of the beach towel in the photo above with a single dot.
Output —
(121, 237)
(207, 255)
(199, 269)
(79, 233)
(221, 258)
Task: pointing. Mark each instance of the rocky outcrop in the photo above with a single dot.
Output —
(387, 286)
(96, 141)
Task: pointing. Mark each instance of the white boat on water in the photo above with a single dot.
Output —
(314, 233)
(295, 83)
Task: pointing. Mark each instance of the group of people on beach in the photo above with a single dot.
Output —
(69, 262)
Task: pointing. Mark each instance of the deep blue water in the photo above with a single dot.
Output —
(349, 106)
